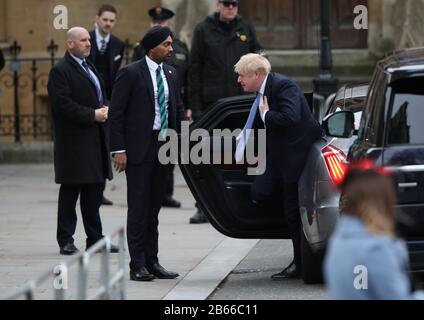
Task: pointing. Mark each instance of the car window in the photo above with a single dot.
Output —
(372, 121)
(365, 120)
(405, 125)
(351, 99)
(357, 116)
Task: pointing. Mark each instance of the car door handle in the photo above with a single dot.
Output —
(407, 185)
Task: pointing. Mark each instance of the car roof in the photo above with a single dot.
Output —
(352, 90)
(403, 63)
(350, 97)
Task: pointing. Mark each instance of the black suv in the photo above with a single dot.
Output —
(391, 134)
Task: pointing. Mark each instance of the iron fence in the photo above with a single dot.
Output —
(27, 77)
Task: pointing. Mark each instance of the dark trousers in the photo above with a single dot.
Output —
(146, 186)
(90, 198)
(271, 184)
(170, 184)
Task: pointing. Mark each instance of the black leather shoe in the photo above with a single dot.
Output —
(68, 249)
(141, 275)
(106, 201)
(198, 217)
(160, 272)
(171, 203)
(292, 271)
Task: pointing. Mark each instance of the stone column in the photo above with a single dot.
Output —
(375, 21)
(395, 24)
(412, 34)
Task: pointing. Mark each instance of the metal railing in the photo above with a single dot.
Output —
(109, 282)
(27, 77)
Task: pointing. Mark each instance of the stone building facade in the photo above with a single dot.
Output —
(393, 24)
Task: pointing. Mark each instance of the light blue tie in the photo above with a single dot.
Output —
(98, 89)
(162, 103)
(246, 130)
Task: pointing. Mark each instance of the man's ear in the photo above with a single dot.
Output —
(70, 44)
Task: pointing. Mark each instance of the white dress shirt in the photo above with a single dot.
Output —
(99, 38)
(261, 103)
(153, 66)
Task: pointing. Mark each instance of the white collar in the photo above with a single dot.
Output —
(77, 59)
(100, 37)
(262, 89)
(153, 66)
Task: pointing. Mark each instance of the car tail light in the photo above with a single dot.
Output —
(336, 162)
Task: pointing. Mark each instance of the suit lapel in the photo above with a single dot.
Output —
(170, 82)
(268, 89)
(78, 68)
(93, 46)
(172, 107)
(99, 77)
(145, 72)
(111, 46)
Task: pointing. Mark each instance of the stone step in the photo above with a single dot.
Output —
(26, 152)
(355, 61)
(349, 65)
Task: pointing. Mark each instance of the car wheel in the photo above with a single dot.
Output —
(311, 263)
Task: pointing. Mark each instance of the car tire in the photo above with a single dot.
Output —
(311, 263)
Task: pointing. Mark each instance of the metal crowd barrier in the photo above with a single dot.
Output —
(108, 281)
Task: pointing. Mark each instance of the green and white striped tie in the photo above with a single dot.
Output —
(162, 103)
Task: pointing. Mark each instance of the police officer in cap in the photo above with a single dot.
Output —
(179, 60)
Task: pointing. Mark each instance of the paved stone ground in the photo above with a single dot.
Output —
(250, 280)
(28, 218)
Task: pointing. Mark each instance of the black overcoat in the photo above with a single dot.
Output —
(81, 145)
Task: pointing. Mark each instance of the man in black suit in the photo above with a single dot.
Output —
(106, 53)
(161, 16)
(280, 106)
(146, 102)
(81, 152)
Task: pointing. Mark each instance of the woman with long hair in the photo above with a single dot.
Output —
(365, 259)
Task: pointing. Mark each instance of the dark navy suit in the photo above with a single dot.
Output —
(131, 119)
(113, 55)
(290, 131)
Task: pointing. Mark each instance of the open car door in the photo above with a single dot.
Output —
(223, 190)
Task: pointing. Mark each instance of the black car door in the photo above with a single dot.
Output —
(404, 148)
(223, 190)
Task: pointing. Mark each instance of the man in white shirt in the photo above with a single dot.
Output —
(290, 132)
(106, 53)
(146, 102)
